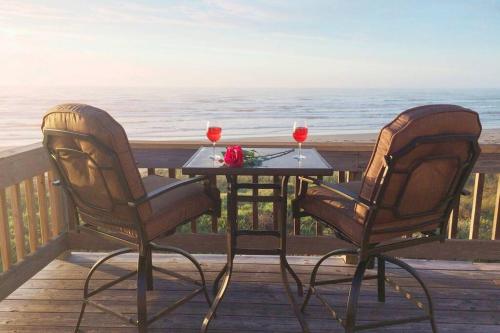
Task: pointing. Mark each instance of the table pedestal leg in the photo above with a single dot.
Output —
(218, 298)
(291, 298)
(300, 286)
(283, 235)
(215, 287)
(232, 211)
(284, 266)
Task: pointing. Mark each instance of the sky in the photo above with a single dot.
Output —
(271, 43)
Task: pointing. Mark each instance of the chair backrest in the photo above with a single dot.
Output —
(419, 167)
(91, 152)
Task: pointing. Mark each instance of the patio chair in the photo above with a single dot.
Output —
(417, 172)
(91, 153)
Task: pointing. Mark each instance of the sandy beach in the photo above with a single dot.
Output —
(488, 136)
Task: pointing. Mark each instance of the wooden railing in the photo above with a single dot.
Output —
(37, 223)
(30, 206)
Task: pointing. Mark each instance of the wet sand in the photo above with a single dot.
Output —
(488, 136)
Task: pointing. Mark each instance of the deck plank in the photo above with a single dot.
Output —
(465, 295)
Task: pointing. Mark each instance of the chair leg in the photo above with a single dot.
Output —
(149, 269)
(89, 276)
(381, 279)
(312, 281)
(352, 303)
(77, 328)
(413, 272)
(142, 316)
(433, 325)
(193, 261)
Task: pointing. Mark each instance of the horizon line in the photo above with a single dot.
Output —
(249, 87)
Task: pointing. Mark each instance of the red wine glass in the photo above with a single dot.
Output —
(300, 135)
(214, 133)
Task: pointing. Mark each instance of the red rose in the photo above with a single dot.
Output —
(234, 156)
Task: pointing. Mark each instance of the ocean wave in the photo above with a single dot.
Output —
(154, 113)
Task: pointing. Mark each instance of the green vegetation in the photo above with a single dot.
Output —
(308, 225)
(487, 208)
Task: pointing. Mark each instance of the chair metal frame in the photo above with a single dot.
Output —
(139, 244)
(367, 251)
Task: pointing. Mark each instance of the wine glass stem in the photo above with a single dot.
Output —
(300, 149)
(213, 149)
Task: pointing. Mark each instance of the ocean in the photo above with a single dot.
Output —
(181, 114)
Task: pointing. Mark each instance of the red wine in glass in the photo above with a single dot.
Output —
(214, 133)
(300, 135)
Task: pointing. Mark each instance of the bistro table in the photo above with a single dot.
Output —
(277, 162)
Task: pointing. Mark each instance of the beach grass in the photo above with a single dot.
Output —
(308, 225)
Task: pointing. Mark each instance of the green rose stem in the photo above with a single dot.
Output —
(251, 159)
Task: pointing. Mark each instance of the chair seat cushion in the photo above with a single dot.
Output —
(337, 211)
(348, 217)
(175, 207)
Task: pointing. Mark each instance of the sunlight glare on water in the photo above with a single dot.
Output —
(181, 114)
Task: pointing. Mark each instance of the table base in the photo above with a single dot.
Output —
(232, 249)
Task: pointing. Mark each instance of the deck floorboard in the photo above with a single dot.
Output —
(466, 297)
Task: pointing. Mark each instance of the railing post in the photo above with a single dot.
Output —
(319, 229)
(55, 205)
(4, 232)
(341, 177)
(30, 207)
(495, 232)
(353, 175)
(476, 206)
(171, 173)
(17, 217)
(42, 208)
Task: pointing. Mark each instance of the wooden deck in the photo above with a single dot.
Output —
(466, 297)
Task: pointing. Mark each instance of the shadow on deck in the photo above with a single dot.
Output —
(466, 297)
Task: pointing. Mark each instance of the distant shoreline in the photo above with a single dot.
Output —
(488, 136)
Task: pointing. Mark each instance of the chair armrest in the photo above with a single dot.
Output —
(338, 189)
(163, 189)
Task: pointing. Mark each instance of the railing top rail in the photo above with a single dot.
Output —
(352, 146)
(21, 163)
(24, 162)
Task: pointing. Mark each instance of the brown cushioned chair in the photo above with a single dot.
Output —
(417, 171)
(91, 153)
